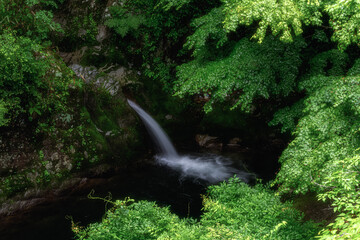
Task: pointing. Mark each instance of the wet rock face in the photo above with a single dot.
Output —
(111, 81)
(25, 163)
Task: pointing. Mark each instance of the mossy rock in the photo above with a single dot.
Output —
(112, 126)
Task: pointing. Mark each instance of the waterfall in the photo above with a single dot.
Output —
(210, 167)
(158, 135)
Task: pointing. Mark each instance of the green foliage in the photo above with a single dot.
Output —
(153, 32)
(21, 72)
(255, 213)
(328, 63)
(283, 18)
(287, 117)
(345, 20)
(3, 111)
(232, 210)
(250, 71)
(81, 31)
(286, 18)
(323, 157)
(140, 220)
(168, 4)
(14, 183)
(221, 64)
(228, 67)
(122, 21)
(29, 18)
(31, 79)
(208, 29)
(326, 134)
(344, 186)
(145, 28)
(35, 86)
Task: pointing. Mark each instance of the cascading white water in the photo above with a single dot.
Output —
(211, 168)
(159, 136)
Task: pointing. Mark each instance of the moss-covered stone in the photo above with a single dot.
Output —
(95, 127)
(112, 126)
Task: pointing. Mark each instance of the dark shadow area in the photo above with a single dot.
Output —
(149, 182)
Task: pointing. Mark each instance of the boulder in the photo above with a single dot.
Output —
(209, 142)
(234, 143)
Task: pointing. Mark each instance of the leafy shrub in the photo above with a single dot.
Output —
(31, 18)
(250, 71)
(255, 213)
(344, 194)
(326, 135)
(232, 210)
(21, 72)
(140, 220)
(32, 80)
(323, 156)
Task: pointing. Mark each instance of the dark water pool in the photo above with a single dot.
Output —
(49, 220)
(153, 182)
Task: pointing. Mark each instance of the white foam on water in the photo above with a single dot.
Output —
(211, 168)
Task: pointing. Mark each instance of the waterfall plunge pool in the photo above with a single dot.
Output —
(150, 180)
(171, 179)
